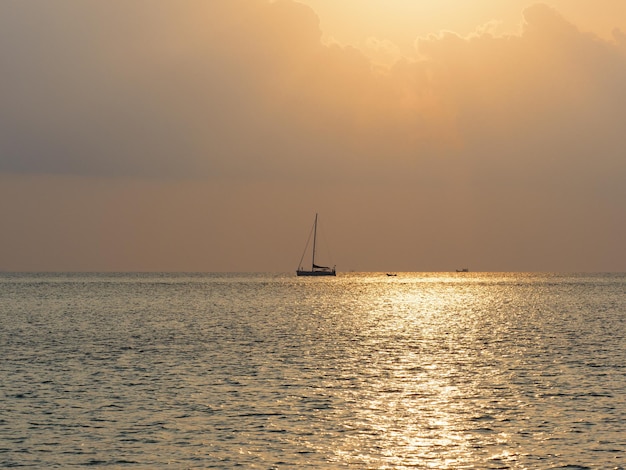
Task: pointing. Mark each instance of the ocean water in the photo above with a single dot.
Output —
(362, 371)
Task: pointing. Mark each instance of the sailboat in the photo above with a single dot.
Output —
(316, 270)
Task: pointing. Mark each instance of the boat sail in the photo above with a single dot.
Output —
(316, 270)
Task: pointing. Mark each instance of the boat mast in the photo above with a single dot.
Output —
(314, 239)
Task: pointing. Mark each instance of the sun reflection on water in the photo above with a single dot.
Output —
(428, 393)
(445, 371)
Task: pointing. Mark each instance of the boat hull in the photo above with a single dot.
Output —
(316, 273)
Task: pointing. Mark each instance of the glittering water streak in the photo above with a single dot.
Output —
(361, 371)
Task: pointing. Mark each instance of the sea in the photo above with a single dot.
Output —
(272, 371)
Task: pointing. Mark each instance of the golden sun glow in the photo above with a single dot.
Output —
(402, 21)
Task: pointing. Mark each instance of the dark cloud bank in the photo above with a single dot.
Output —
(245, 87)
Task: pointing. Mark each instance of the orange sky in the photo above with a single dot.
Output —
(367, 23)
(204, 136)
(351, 21)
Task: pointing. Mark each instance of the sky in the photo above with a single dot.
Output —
(200, 135)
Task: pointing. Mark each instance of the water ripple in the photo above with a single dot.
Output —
(270, 371)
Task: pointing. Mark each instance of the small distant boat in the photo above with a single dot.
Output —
(463, 270)
(391, 274)
(315, 270)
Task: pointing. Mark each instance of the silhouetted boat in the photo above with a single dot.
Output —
(316, 270)
(464, 270)
(391, 274)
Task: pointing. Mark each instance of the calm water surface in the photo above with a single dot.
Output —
(363, 371)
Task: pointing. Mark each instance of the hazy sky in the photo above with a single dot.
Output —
(202, 135)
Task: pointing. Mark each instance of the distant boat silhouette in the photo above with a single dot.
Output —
(391, 274)
(316, 270)
(463, 270)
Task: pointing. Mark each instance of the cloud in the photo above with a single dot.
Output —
(543, 105)
(382, 51)
(143, 88)
(246, 89)
(222, 88)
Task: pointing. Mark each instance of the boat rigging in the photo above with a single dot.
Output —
(316, 270)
